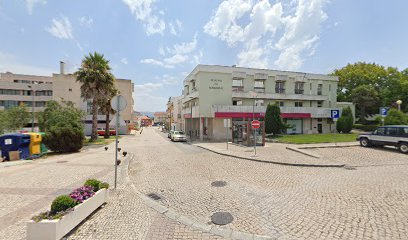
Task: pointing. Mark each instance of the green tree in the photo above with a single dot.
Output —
(395, 117)
(15, 118)
(365, 97)
(345, 122)
(64, 130)
(96, 81)
(105, 107)
(273, 120)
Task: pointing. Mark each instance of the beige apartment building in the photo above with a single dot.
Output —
(174, 116)
(16, 89)
(214, 93)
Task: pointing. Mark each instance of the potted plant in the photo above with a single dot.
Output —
(67, 211)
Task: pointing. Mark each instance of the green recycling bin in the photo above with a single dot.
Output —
(43, 148)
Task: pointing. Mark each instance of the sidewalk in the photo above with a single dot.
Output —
(277, 153)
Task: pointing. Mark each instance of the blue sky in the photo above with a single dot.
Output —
(156, 43)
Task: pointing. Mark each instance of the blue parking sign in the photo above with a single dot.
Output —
(383, 111)
(335, 114)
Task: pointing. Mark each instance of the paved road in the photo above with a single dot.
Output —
(369, 202)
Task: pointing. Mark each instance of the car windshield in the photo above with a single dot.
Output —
(179, 132)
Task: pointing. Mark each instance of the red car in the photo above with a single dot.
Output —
(101, 132)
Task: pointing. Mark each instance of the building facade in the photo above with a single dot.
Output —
(214, 93)
(175, 121)
(17, 89)
(160, 117)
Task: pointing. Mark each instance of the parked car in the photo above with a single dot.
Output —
(170, 133)
(179, 136)
(393, 135)
(101, 132)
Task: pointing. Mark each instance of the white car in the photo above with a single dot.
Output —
(393, 135)
(178, 136)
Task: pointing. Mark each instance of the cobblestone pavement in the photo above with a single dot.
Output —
(27, 189)
(280, 201)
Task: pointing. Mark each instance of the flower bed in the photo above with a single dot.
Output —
(67, 211)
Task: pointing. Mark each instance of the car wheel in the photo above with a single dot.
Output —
(364, 142)
(403, 147)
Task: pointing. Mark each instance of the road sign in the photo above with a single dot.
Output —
(255, 124)
(383, 111)
(335, 114)
(118, 103)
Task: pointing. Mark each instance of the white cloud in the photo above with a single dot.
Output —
(10, 63)
(147, 102)
(177, 54)
(86, 21)
(31, 3)
(155, 62)
(148, 87)
(176, 27)
(124, 61)
(61, 28)
(170, 80)
(297, 22)
(143, 11)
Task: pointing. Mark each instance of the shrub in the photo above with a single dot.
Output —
(273, 120)
(94, 183)
(368, 128)
(345, 122)
(104, 185)
(82, 193)
(395, 117)
(64, 139)
(62, 203)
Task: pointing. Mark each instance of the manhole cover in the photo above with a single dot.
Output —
(222, 218)
(154, 196)
(62, 161)
(219, 183)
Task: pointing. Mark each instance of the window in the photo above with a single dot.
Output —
(280, 104)
(299, 87)
(9, 92)
(186, 90)
(310, 86)
(8, 104)
(193, 87)
(320, 119)
(40, 104)
(280, 87)
(319, 89)
(259, 86)
(391, 131)
(311, 103)
(298, 104)
(329, 87)
(403, 132)
(43, 93)
(259, 102)
(380, 131)
(237, 85)
(237, 102)
(319, 103)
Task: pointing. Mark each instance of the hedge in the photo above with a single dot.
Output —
(368, 128)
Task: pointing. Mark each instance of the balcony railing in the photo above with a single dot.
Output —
(299, 91)
(259, 90)
(237, 88)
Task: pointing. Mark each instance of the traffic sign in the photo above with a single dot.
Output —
(383, 111)
(335, 114)
(255, 124)
(118, 103)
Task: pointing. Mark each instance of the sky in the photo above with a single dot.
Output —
(157, 43)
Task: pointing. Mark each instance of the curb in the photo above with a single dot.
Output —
(302, 152)
(187, 221)
(273, 162)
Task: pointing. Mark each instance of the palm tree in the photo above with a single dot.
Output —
(96, 81)
(105, 107)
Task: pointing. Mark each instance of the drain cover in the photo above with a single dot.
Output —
(154, 196)
(62, 161)
(222, 218)
(219, 183)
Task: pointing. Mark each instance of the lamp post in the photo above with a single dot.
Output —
(191, 120)
(254, 95)
(399, 102)
(32, 106)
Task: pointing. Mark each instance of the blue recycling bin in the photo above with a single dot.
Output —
(15, 142)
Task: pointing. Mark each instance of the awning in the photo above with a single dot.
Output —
(296, 115)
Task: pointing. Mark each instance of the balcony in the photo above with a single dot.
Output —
(260, 110)
(261, 76)
(281, 77)
(299, 91)
(280, 96)
(238, 75)
(186, 112)
(237, 88)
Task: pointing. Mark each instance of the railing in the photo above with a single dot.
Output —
(238, 75)
(237, 88)
(259, 90)
(299, 91)
(261, 76)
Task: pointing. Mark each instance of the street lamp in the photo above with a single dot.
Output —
(399, 102)
(32, 106)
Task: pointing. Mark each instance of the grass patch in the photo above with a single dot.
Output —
(317, 138)
(100, 141)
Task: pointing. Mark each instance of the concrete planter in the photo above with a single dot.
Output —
(56, 229)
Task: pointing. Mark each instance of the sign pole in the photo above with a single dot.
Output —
(226, 134)
(116, 148)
